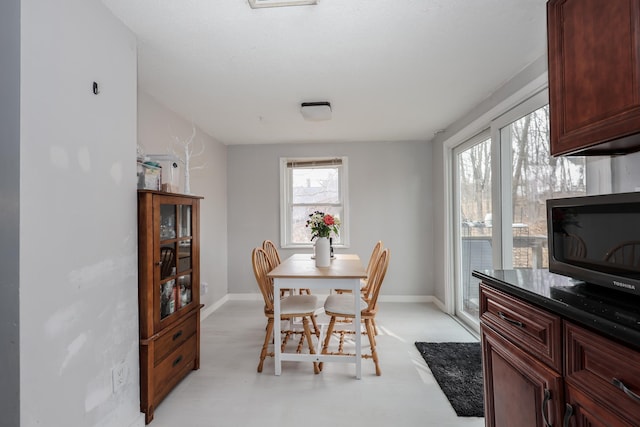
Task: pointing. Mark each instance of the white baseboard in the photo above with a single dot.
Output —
(207, 311)
(439, 304)
(245, 297)
(405, 298)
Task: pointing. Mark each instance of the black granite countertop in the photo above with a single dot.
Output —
(613, 313)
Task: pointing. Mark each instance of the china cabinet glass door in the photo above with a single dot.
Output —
(175, 284)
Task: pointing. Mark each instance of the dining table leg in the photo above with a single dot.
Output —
(276, 329)
(358, 327)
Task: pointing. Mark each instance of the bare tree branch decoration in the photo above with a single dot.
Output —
(185, 150)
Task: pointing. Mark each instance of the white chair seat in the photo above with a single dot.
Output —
(342, 304)
(298, 304)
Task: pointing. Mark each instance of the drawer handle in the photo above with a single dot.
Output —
(177, 335)
(616, 382)
(178, 360)
(568, 413)
(545, 402)
(513, 322)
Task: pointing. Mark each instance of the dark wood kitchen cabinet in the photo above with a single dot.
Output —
(600, 379)
(594, 76)
(521, 350)
(168, 293)
(541, 369)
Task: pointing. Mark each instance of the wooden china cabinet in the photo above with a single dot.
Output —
(168, 293)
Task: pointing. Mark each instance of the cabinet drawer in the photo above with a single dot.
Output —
(174, 367)
(534, 330)
(603, 369)
(174, 337)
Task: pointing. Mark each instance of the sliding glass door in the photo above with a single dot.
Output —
(501, 181)
(473, 222)
(530, 177)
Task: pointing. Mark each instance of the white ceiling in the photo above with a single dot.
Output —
(393, 70)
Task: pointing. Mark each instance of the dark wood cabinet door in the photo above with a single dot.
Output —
(583, 411)
(519, 390)
(594, 76)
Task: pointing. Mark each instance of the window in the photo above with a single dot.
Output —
(308, 185)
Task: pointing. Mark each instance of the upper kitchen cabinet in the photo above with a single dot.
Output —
(594, 76)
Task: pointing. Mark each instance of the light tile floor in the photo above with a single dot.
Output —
(227, 390)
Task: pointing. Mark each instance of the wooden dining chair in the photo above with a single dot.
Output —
(272, 253)
(274, 260)
(293, 306)
(341, 306)
(373, 258)
(364, 283)
(375, 254)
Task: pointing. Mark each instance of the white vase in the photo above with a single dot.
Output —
(323, 252)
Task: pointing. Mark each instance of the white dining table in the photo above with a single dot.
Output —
(300, 271)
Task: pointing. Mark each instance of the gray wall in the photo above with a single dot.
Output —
(10, 211)
(157, 128)
(78, 228)
(389, 199)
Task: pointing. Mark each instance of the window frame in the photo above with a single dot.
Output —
(286, 202)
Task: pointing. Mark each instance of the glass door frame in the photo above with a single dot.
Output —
(501, 231)
(475, 124)
(457, 274)
(502, 201)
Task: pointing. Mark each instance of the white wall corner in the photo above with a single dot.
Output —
(207, 311)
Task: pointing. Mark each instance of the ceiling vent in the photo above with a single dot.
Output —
(316, 111)
(255, 4)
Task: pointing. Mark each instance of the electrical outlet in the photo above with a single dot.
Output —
(119, 376)
(204, 288)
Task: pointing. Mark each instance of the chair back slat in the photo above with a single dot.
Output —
(261, 267)
(626, 253)
(376, 279)
(575, 246)
(374, 256)
(272, 253)
(373, 259)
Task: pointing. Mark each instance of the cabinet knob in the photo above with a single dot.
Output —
(178, 360)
